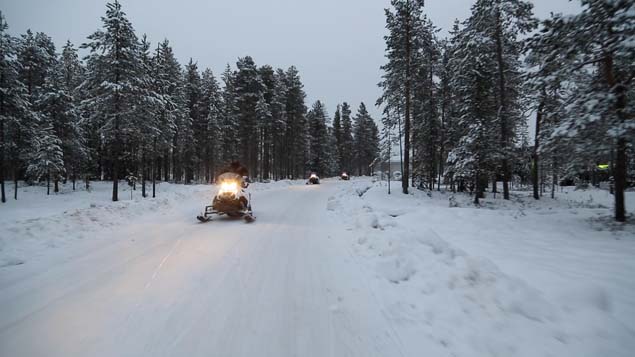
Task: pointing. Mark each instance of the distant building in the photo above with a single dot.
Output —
(393, 166)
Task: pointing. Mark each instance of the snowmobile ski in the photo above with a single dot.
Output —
(203, 219)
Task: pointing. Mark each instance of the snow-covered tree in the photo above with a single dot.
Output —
(366, 141)
(46, 158)
(319, 153)
(248, 89)
(402, 46)
(229, 123)
(212, 111)
(594, 52)
(279, 125)
(346, 141)
(114, 83)
(296, 134)
(425, 107)
(14, 108)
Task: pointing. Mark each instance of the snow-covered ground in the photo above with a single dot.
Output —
(338, 269)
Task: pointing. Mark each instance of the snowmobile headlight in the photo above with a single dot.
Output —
(228, 187)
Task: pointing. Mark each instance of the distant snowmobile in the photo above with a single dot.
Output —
(345, 176)
(313, 180)
(230, 199)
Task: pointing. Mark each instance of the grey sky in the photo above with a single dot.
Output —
(336, 44)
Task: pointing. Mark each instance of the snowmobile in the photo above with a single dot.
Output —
(313, 180)
(230, 199)
(345, 176)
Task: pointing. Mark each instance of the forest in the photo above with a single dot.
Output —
(463, 105)
(505, 98)
(130, 110)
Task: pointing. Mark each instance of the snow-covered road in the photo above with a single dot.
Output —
(283, 286)
(339, 269)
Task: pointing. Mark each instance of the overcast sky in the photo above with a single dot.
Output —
(337, 45)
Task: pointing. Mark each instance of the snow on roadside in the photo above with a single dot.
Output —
(465, 304)
(36, 223)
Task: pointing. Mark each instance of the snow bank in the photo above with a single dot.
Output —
(465, 303)
(36, 224)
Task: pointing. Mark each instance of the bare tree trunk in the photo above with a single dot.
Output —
(554, 179)
(406, 169)
(534, 167)
(620, 180)
(56, 185)
(15, 180)
(619, 91)
(154, 164)
(477, 188)
(143, 173)
(502, 108)
(3, 197)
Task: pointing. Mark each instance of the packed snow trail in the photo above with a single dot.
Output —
(282, 286)
(337, 269)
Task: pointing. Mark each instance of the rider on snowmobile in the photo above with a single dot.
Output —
(237, 169)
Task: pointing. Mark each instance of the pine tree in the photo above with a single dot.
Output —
(594, 52)
(73, 136)
(57, 109)
(37, 60)
(148, 114)
(46, 159)
(347, 144)
(425, 107)
(279, 125)
(194, 96)
(229, 124)
(212, 111)
(337, 135)
(14, 108)
(500, 22)
(366, 141)
(319, 155)
(402, 46)
(248, 90)
(113, 83)
(296, 134)
(266, 120)
(472, 159)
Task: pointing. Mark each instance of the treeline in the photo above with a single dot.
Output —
(129, 109)
(462, 104)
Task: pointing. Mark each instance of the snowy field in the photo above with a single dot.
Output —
(339, 269)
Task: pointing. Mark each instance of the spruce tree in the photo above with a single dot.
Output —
(212, 111)
(194, 99)
(337, 135)
(248, 90)
(402, 47)
(366, 141)
(229, 124)
(14, 108)
(296, 134)
(113, 83)
(46, 156)
(346, 145)
(319, 155)
(594, 53)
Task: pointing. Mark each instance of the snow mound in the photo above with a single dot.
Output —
(466, 303)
